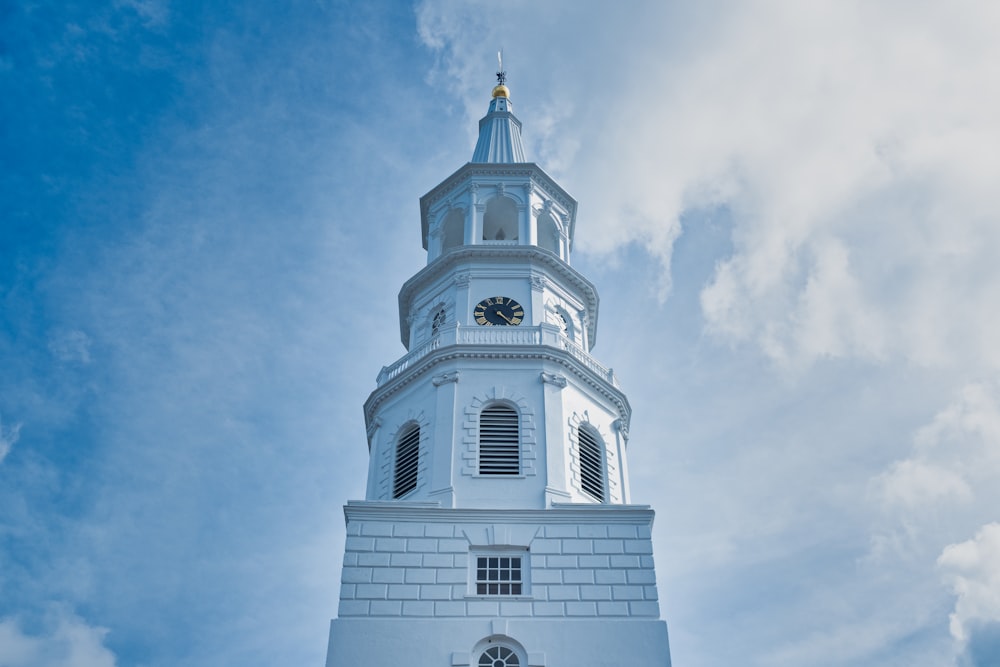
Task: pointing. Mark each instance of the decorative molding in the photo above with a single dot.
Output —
(501, 189)
(473, 172)
(538, 283)
(462, 279)
(621, 425)
(452, 352)
(553, 378)
(445, 378)
(559, 513)
(375, 425)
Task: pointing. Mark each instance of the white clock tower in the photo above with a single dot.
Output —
(497, 530)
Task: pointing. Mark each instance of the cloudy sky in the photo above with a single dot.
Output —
(791, 211)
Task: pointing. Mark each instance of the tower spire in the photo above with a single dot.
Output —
(499, 131)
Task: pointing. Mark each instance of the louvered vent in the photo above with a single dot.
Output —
(591, 469)
(407, 458)
(499, 444)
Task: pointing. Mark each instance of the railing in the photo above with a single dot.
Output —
(517, 336)
(389, 372)
(499, 336)
(584, 357)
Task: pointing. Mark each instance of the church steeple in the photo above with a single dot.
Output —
(499, 130)
(497, 528)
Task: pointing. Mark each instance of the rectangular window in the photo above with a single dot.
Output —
(499, 575)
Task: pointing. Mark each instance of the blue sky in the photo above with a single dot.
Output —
(790, 211)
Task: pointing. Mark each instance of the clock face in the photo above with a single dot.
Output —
(498, 311)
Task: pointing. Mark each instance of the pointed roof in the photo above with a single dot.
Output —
(499, 130)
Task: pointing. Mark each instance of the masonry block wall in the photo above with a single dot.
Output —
(576, 562)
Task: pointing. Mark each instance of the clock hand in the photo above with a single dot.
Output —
(504, 316)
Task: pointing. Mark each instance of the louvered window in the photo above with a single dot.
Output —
(407, 458)
(499, 441)
(591, 464)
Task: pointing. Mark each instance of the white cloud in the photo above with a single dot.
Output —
(973, 568)
(955, 458)
(8, 436)
(855, 126)
(947, 488)
(912, 483)
(72, 345)
(66, 640)
(851, 143)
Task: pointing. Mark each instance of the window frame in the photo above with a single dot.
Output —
(506, 553)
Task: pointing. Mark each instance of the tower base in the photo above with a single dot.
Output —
(462, 642)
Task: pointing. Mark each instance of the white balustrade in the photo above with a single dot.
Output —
(517, 336)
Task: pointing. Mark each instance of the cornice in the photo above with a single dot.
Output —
(471, 170)
(466, 351)
(528, 254)
(559, 513)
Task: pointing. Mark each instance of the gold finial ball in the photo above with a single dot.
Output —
(501, 91)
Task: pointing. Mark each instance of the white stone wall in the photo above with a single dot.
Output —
(458, 642)
(598, 566)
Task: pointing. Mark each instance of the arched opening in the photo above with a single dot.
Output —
(499, 651)
(548, 233)
(454, 229)
(558, 316)
(500, 220)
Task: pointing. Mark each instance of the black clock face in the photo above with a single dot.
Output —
(498, 311)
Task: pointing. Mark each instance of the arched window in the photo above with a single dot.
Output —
(437, 322)
(591, 464)
(498, 656)
(407, 458)
(499, 441)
